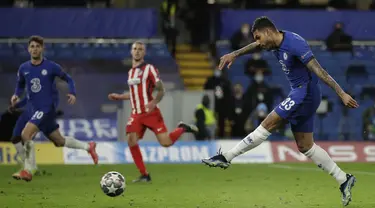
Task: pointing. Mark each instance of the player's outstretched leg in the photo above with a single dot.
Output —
(251, 141)
(255, 138)
(73, 143)
(321, 158)
(137, 158)
(167, 140)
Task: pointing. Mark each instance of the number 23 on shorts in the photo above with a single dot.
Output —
(288, 103)
(37, 115)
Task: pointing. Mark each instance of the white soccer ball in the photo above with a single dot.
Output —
(113, 184)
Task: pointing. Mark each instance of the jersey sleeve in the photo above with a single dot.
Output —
(58, 71)
(302, 50)
(154, 74)
(20, 87)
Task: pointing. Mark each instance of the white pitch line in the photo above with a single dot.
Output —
(316, 169)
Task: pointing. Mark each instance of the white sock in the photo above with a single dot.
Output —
(33, 158)
(251, 141)
(29, 148)
(73, 143)
(320, 157)
(20, 151)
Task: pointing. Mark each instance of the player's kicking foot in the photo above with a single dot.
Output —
(346, 189)
(190, 128)
(17, 175)
(143, 178)
(92, 152)
(26, 175)
(217, 161)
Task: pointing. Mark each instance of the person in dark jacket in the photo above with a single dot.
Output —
(205, 120)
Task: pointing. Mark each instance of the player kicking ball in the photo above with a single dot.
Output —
(38, 77)
(302, 71)
(143, 78)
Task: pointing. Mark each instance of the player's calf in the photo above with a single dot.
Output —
(136, 153)
(167, 140)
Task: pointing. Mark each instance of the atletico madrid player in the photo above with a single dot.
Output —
(143, 79)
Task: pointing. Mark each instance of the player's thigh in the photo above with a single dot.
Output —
(30, 130)
(37, 120)
(272, 121)
(135, 130)
(156, 123)
(18, 127)
(132, 138)
(56, 137)
(303, 132)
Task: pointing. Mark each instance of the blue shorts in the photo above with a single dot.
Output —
(300, 106)
(45, 120)
(21, 123)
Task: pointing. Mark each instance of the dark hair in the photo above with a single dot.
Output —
(262, 23)
(37, 39)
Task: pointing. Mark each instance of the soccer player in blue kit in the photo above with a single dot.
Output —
(38, 77)
(302, 71)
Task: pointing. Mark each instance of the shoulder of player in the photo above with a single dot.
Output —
(52, 63)
(24, 65)
(151, 66)
(295, 42)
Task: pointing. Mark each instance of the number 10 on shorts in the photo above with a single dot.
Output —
(288, 103)
(37, 115)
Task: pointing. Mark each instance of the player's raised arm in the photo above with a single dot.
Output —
(314, 66)
(230, 57)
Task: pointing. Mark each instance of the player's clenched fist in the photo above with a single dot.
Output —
(226, 59)
(71, 99)
(14, 100)
(115, 96)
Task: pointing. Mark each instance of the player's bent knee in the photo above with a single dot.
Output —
(26, 135)
(58, 143)
(166, 143)
(272, 121)
(304, 146)
(132, 140)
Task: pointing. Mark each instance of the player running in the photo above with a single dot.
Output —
(143, 78)
(302, 70)
(38, 77)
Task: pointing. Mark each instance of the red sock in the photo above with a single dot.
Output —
(175, 134)
(138, 160)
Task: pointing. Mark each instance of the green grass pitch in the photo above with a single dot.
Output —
(190, 186)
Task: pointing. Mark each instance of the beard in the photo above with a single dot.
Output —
(36, 57)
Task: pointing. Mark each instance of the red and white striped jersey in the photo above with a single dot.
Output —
(142, 81)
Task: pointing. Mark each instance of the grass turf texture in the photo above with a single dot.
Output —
(190, 186)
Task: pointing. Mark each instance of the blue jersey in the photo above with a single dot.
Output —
(304, 98)
(42, 95)
(293, 55)
(39, 81)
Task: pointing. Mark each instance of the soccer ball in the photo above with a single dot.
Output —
(113, 184)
